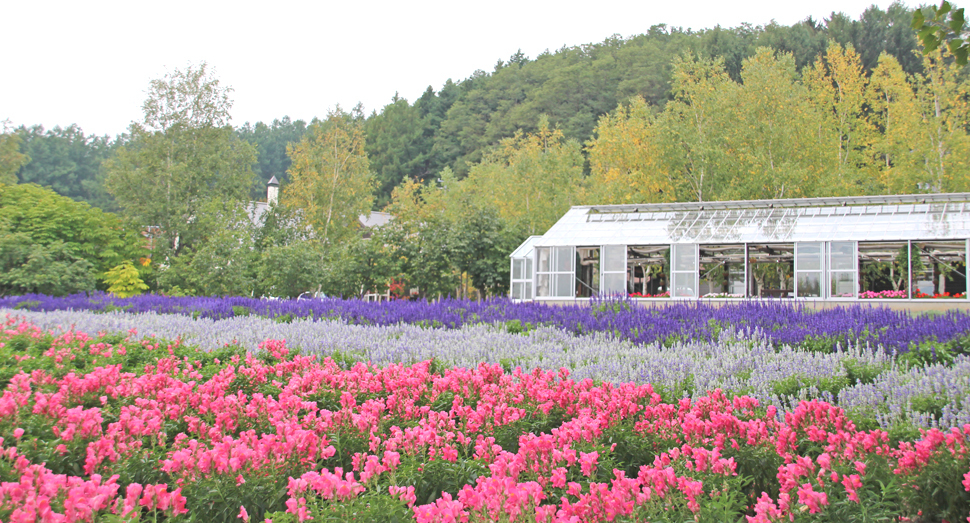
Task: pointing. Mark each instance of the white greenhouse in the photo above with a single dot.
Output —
(822, 249)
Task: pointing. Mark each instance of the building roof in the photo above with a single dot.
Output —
(525, 250)
(375, 219)
(860, 218)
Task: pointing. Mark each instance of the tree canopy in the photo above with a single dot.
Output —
(180, 159)
(52, 244)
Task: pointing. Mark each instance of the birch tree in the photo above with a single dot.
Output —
(180, 159)
(692, 127)
(331, 179)
(624, 158)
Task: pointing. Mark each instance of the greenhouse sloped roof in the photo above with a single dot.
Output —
(881, 218)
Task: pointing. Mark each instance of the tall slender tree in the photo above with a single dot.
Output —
(182, 157)
(11, 159)
(332, 180)
(624, 158)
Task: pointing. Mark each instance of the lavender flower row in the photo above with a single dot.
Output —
(740, 363)
(781, 322)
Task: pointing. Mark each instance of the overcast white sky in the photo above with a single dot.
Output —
(89, 62)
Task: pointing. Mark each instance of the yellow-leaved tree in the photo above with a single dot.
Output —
(770, 147)
(11, 159)
(624, 160)
(531, 180)
(691, 128)
(896, 119)
(942, 146)
(331, 179)
(837, 87)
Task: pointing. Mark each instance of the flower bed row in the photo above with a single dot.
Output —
(109, 425)
(781, 322)
(919, 389)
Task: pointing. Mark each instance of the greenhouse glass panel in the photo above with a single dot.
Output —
(543, 255)
(614, 283)
(542, 286)
(685, 271)
(808, 257)
(518, 268)
(517, 289)
(614, 258)
(808, 270)
(564, 286)
(684, 285)
(649, 270)
(809, 285)
(771, 268)
(721, 273)
(842, 270)
(685, 257)
(564, 259)
(939, 269)
(883, 270)
(614, 269)
(842, 256)
(843, 284)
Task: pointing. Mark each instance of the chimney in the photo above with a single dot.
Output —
(272, 191)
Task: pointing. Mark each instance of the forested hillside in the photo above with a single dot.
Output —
(457, 123)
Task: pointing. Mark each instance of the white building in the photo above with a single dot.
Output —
(911, 247)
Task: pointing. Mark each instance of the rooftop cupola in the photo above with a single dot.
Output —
(272, 191)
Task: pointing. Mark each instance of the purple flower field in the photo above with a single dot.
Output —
(782, 323)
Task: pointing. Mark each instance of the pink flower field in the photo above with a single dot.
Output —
(101, 427)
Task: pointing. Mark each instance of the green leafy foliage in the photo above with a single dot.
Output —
(26, 267)
(54, 245)
(270, 141)
(68, 161)
(332, 181)
(123, 280)
(11, 159)
(181, 159)
(943, 25)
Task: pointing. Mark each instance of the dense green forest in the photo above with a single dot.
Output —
(818, 108)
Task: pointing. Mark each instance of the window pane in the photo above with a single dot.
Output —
(587, 272)
(684, 259)
(939, 269)
(649, 268)
(528, 269)
(564, 285)
(528, 290)
(843, 284)
(883, 268)
(842, 256)
(516, 291)
(614, 258)
(614, 283)
(721, 270)
(685, 285)
(517, 266)
(543, 254)
(564, 259)
(809, 285)
(808, 257)
(542, 286)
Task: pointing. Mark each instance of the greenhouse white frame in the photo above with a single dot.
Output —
(912, 247)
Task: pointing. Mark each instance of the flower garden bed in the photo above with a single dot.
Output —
(392, 421)
(783, 323)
